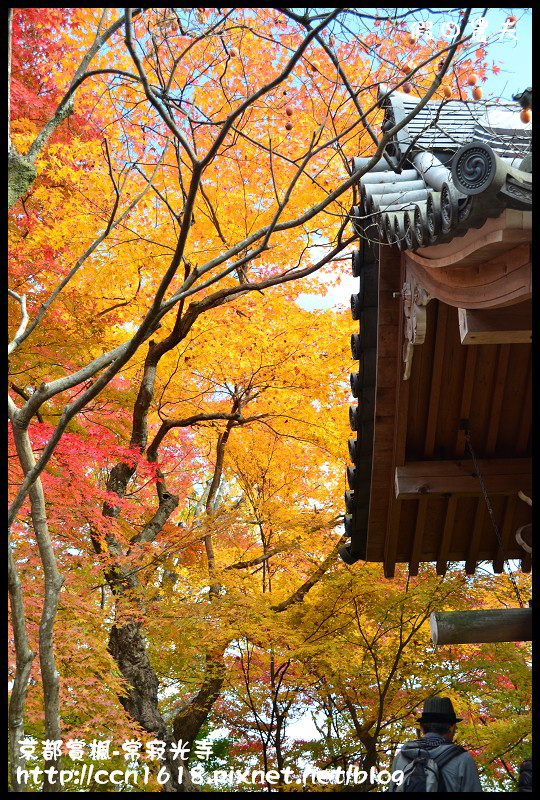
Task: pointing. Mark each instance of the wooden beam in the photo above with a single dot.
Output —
(391, 539)
(501, 476)
(477, 244)
(526, 563)
(475, 627)
(503, 280)
(507, 325)
(398, 457)
(436, 380)
(391, 278)
(524, 430)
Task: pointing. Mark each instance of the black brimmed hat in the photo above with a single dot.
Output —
(439, 709)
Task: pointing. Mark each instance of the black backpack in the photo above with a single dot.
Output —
(423, 773)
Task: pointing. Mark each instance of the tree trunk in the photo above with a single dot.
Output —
(52, 585)
(24, 658)
(128, 648)
(126, 642)
(189, 720)
(21, 174)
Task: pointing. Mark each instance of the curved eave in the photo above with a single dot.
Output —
(494, 237)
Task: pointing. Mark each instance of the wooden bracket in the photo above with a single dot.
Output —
(507, 325)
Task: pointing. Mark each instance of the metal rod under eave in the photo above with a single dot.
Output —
(475, 627)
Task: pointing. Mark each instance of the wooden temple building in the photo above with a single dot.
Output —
(441, 444)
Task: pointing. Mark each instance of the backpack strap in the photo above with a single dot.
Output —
(442, 760)
(448, 754)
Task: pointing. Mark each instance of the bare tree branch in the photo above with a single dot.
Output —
(112, 223)
(24, 321)
(300, 593)
(255, 561)
(22, 170)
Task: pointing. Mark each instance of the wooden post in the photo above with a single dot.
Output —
(474, 627)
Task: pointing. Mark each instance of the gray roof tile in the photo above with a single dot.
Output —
(428, 145)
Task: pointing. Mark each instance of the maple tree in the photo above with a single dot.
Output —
(176, 415)
(357, 654)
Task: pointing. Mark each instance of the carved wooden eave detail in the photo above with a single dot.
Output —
(506, 232)
(415, 300)
(524, 532)
(524, 537)
(503, 279)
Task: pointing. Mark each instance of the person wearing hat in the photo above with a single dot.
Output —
(438, 727)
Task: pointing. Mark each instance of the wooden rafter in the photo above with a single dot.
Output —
(476, 538)
(446, 538)
(496, 404)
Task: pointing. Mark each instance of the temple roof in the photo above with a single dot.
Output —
(454, 192)
(452, 167)
(448, 125)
